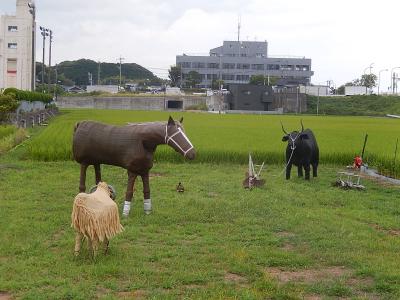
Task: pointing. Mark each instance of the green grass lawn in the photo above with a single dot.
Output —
(288, 240)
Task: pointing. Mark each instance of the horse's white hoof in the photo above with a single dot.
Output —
(127, 208)
(147, 206)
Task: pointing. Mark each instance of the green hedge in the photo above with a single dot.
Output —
(28, 96)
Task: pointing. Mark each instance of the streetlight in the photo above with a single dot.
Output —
(370, 68)
(50, 41)
(379, 78)
(32, 11)
(393, 83)
(44, 32)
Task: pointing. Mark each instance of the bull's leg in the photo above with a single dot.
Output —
(288, 169)
(97, 172)
(82, 181)
(129, 193)
(146, 193)
(78, 243)
(315, 170)
(300, 170)
(307, 171)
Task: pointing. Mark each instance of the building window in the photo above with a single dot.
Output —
(287, 67)
(198, 65)
(228, 77)
(12, 28)
(12, 45)
(273, 67)
(12, 66)
(185, 64)
(228, 66)
(259, 55)
(242, 77)
(257, 67)
(243, 66)
(213, 66)
(246, 92)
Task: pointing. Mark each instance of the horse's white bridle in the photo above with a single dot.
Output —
(171, 138)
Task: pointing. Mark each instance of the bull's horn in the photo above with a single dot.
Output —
(283, 129)
(302, 126)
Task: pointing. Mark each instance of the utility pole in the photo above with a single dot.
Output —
(32, 10)
(121, 59)
(56, 85)
(50, 42)
(98, 73)
(44, 32)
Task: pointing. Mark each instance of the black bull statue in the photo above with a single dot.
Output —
(131, 147)
(302, 151)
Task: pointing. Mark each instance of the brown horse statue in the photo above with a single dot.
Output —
(131, 147)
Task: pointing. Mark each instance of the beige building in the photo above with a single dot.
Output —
(17, 44)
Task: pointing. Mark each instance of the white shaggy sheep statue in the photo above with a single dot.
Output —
(95, 216)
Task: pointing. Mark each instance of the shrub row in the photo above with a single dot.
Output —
(28, 96)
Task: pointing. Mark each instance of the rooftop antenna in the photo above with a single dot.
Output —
(239, 25)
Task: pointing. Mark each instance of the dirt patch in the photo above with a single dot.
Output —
(361, 282)
(287, 247)
(235, 278)
(101, 291)
(394, 232)
(5, 296)
(312, 297)
(10, 166)
(193, 286)
(137, 294)
(309, 276)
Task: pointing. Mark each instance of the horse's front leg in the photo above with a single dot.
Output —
(97, 171)
(82, 180)
(146, 193)
(129, 193)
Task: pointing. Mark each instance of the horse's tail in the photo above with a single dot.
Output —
(76, 126)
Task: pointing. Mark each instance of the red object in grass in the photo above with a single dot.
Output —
(357, 162)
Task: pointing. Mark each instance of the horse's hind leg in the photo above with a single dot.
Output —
(129, 193)
(82, 181)
(146, 194)
(97, 171)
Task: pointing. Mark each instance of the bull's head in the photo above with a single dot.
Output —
(176, 138)
(295, 137)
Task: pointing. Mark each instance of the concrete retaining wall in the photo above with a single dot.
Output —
(127, 103)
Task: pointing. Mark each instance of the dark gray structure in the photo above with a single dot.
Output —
(247, 97)
(236, 62)
(250, 97)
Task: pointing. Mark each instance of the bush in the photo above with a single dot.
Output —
(28, 96)
(8, 104)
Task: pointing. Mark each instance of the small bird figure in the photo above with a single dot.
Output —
(180, 188)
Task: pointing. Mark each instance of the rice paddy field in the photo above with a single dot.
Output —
(229, 138)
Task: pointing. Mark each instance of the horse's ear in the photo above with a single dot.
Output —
(181, 120)
(171, 121)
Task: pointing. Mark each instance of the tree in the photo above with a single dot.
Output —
(193, 79)
(369, 80)
(8, 104)
(263, 80)
(217, 83)
(174, 74)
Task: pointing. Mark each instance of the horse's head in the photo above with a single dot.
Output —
(176, 138)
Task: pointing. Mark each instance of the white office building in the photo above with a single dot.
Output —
(236, 62)
(17, 47)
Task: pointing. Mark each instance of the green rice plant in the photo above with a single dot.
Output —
(230, 138)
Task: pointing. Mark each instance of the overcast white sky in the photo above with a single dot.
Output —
(342, 37)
